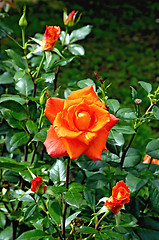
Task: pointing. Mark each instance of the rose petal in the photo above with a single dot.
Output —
(54, 145)
(74, 147)
(112, 122)
(97, 146)
(53, 106)
(83, 93)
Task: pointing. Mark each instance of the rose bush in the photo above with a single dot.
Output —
(52, 33)
(120, 196)
(80, 124)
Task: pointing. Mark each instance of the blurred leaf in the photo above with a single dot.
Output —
(2, 220)
(6, 234)
(73, 198)
(124, 129)
(90, 199)
(134, 183)
(112, 234)
(152, 148)
(16, 98)
(154, 194)
(146, 86)
(40, 136)
(133, 93)
(67, 92)
(49, 77)
(76, 49)
(32, 127)
(18, 60)
(6, 78)
(63, 62)
(155, 112)
(113, 104)
(9, 163)
(23, 83)
(87, 230)
(62, 36)
(17, 110)
(85, 83)
(18, 139)
(58, 172)
(147, 234)
(55, 211)
(32, 109)
(32, 235)
(80, 33)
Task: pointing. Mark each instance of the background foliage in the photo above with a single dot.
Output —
(122, 47)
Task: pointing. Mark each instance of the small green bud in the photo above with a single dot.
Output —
(23, 21)
(43, 99)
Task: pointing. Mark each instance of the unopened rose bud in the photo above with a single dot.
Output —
(23, 21)
(138, 101)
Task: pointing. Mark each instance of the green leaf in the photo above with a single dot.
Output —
(146, 86)
(90, 198)
(133, 93)
(87, 230)
(113, 104)
(32, 127)
(40, 136)
(132, 158)
(134, 182)
(17, 110)
(12, 121)
(85, 83)
(23, 83)
(80, 33)
(152, 148)
(2, 220)
(67, 92)
(6, 78)
(73, 198)
(76, 49)
(63, 62)
(58, 172)
(71, 217)
(18, 139)
(32, 235)
(16, 98)
(32, 109)
(49, 77)
(30, 211)
(6, 233)
(155, 112)
(55, 211)
(17, 59)
(154, 194)
(147, 234)
(116, 138)
(126, 114)
(62, 36)
(87, 164)
(124, 129)
(11, 164)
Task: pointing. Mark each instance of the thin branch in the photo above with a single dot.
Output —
(55, 80)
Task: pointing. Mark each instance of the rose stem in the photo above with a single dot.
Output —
(55, 80)
(65, 204)
(97, 226)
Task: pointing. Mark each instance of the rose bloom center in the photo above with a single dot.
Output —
(83, 120)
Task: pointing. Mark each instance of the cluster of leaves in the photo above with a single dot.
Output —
(26, 77)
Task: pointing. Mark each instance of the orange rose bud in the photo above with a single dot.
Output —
(80, 125)
(69, 21)
(36, 183)
(147, 160)
(52, 33)
(120, 196)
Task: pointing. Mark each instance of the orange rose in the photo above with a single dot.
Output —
(147, 159)
(36, 183)
(80, 124)
(120, 196)
(70, 19)
(52, 33)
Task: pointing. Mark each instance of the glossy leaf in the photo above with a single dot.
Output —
(40, 136)
(19, 139)
(155, 112)
(76, 49)
(154, 194)
(55, 211)
(6, 78)
(124, 129)
(113, 105)
(2, 220)
(152, 148)
(85, 83)
(73, 198)
(33, 235)
(23, 83)
(9, 163)
(134, 182)
(32, 127)
(19, 61)
(80, 33)
(58, 172)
